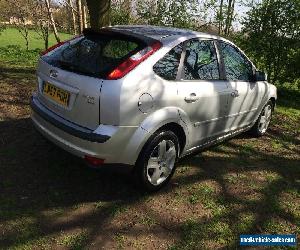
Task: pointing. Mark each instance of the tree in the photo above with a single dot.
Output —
(76, 10)
(272, 35)
(229, 18)
(41, 22)
(19, 12)
(84, 14)
(72, 10)
(176, 13)
(220, 17)
(221, 14)
(2, 18)
(99, 11)
(51, 20)
(79, 16)
(121, 12)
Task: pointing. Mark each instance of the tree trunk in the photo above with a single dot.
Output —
(99, 11)
(27, 41)
(73, 16)
(84, 13)
(52, 20)
(46, 38)
(25, 35)
(79, 15)
(23, 29)
(221, 17)
(229, 18)
(46, 43)
(44, 29)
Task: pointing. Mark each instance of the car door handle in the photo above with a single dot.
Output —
(191, 98)
(235, 93)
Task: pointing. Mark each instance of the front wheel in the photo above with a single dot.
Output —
(156, 163)
(263, 121)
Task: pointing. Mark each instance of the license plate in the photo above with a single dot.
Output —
(57, 94)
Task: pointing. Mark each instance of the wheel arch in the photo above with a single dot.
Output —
(167, 119)
(178, 131)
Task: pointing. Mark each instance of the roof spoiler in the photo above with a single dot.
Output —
(118, 33)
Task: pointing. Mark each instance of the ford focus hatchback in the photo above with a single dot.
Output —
(145, 96)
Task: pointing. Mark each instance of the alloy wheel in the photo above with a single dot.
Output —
(265, 119)
(161, 162)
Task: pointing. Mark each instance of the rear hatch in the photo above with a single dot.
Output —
(70, 75)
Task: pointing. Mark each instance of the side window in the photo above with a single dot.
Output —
(237, 66)
(167, 66)
(201, 61)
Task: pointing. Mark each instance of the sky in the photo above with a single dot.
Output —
(241, 12)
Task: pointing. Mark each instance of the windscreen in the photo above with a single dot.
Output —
(93, 55)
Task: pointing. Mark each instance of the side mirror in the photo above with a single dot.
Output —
(260, 76)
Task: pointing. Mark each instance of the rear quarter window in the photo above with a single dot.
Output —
(167, 66)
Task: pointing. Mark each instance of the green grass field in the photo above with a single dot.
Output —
(13, 47)
(12, 36)
(49, 199)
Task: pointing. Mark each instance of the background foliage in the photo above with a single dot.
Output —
(268, 30)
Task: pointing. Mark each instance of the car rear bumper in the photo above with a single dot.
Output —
(64, 125)
(105, 142)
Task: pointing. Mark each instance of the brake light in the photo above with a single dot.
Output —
(133, 61)
(93, 160)
(57, 45)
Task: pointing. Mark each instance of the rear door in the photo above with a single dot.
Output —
(70, 76)
(202, 93)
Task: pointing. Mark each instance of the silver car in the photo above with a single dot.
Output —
(145, 96)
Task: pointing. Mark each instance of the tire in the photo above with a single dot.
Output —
(261, 125)
(156, 163)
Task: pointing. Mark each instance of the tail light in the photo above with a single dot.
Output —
(133, 61)
(93, 160)
(57, 45)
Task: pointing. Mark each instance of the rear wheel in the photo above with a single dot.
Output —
(263, 121)
(156, 163)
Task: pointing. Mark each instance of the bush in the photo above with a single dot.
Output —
(293, 87)
(289, 93)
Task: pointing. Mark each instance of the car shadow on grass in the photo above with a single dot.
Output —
(50, 199)
(41, 186)
(9, 71)
(41, 182)
(37, 176)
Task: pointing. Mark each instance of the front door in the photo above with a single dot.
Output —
(244, 95)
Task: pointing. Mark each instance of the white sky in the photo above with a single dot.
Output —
(240, 11)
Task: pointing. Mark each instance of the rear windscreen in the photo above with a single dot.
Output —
(92, 55)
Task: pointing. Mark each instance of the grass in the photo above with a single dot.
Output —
(11, 36)
(12, 47)
(74, 241)
(49, 199)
